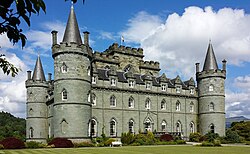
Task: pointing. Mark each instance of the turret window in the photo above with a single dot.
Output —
(112, 101)
(211, 88)
(211, 106)
(64, 68)
(94, 80)
(211, 127)
(131, 102)
(191, 107)
(93, 99)
(163, 105)
(31, 132)
(147, 104)
(88, 70)
(64, 94)
(93, 128)
(178, 106)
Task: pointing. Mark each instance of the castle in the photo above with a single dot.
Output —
(116, 91)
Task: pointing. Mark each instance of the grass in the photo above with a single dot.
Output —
(136, 150)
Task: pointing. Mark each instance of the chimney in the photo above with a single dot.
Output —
(29, 75)
(197, 67)
(86, 38)
(224, 62)
(54, 37)
(49, 77)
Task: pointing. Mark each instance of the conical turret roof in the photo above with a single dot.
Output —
(210, 60)
(72, 33)
(38, 74)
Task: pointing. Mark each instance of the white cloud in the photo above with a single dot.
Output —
(181, 41)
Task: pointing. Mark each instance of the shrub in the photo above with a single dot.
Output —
(232, 136)
(181, 142)
(84, 144)
(109, 142)
(12, 143)
(207, 144)
(33, 145)
(217, 143)
(1, 146)
(195, 137)
(210, 137)
(61, 143)
(166, 137)
(127, 138)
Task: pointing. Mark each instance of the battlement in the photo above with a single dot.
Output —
(150, 65)
(211, 73)
(32, 83)
(100, 56)
(124, 50)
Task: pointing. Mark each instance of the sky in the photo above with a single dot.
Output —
(174, 32)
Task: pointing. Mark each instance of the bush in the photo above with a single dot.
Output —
(61, 143)
(109, 142)
(33, 145)
(84, 144)
(210, 137)
(12, 143)
(181, 142)
(166, 137)
(195, 137)
(232, 136)
(207, 144)
(127, 138)
(217, 143)
(1, 146)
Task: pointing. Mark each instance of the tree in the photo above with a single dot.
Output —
(12, 12)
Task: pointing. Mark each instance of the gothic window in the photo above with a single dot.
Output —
(211, 106)
(93, 79)
(88, 70)
(163, 87)
(147, 103)
(112, 101)
(64, 94)
(178, 89)
(64, 126)
(93, 99)
(148, 85)
(31, 132)
(178, 106)
(131, 102)
(112, 127)
(164, 126)
(211, 88)
(192, 127)
(31, 111)
(64, 68)
(131, 126)
(147, 125)
(163, 105)
(191, 91)
(93, 128)
(113, 82)
(49, 134)
(191, 107)
(211, 127)
(131, 83)
(178, 127)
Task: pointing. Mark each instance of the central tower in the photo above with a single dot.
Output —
(72, 83)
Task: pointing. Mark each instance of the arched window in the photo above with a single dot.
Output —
(211, 88)
(64, 68)
(148, 125)
(131, 102)
(211, 106)
(178, 106)
(112, 101)
(64, 94)
(147, 103)
(131, 126)
(178, 126)
(93, 128)
(192, 127)
(93, 99)
(31, 111)
(89, 97)
(88, 70)
(211, 127)
(163, 105)
(31, 132)
(64, 126)
(191, 107)
(112, 127)
(164, 126)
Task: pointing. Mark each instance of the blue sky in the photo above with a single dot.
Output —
(174, 32)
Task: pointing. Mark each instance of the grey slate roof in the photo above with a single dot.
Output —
(38, 74)
(72, 33)
(210, 61)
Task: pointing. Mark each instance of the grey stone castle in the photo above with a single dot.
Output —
(116, 91)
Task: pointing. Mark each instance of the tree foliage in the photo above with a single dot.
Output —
(243, 129)
(7, 67)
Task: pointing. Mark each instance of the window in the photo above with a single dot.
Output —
(147, 125)
(211, 106)
(113, 82)
(163, 87)
(64, 126)
(163, 105)
(93, 99)
(192, 127)
(31, 132)
(112, 127)
(191, 91)
(131, 84)
(131, 126)
(64, 68)
(147, 104)
(131, 102)
(93, 128)
(89, 97)
(191, 107)
(164, 126)
(93, 79)
(148, 85)
(64, 94)
(178, 89)
(211, 88)
(112, 101)
(178, 127)
(88, 70)
(211, 127)
(178, 106)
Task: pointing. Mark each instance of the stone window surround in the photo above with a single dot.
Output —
(112, 101)
(64, 94)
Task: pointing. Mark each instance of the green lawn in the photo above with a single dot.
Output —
(137, 150)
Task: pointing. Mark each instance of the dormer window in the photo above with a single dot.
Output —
(163, 87)
(148, 85)
(178, 89)
(113, 82)
(131, 83)
(211, 88)
(64, 94)
(191, 91)
(64, 68)
(93, 79)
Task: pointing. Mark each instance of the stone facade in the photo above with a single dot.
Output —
(116, 91)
